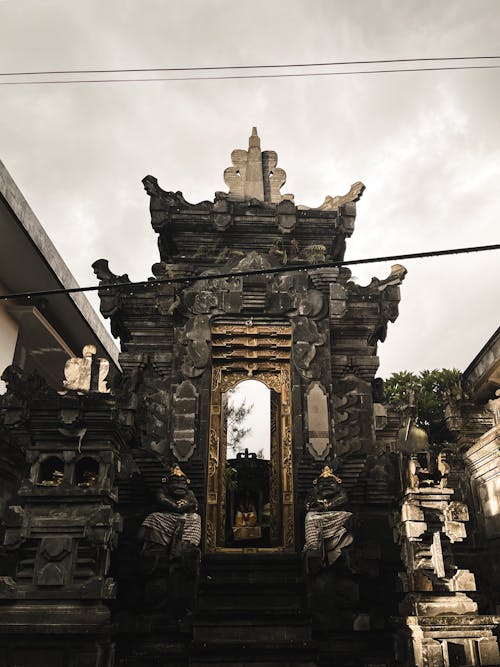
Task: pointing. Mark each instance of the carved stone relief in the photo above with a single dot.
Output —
(196, 338)
(332, 203)
(254, 174)
(338, 301)
(185, 404)
(153, 407)
(54, 566)
(287, 217)
(84, 374)
(353, 419)
(306, 339)
(111, 298)
(286, 295)
(318, 443)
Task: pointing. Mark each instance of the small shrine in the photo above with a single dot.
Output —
(135, 536)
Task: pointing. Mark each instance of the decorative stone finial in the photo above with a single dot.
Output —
(254, 174)
(83, 374)
(254, 139)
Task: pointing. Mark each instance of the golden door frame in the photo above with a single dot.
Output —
(277, 378)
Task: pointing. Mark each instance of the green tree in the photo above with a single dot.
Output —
(236, 415)
(423, 395)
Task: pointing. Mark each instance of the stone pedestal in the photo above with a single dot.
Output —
(442, 641)
(439, 625)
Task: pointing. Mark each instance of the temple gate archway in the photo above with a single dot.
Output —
(260, 352)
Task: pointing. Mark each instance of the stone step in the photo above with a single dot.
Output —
(250, 627)
(239, 660)
(372, 648)
(237, 577)
(271, 654)
(225, 600)
(275, 567)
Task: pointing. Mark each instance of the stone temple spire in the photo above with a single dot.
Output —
(254, 174)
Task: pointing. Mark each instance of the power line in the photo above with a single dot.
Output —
(246, 76)
(242, 67)
(257, 272)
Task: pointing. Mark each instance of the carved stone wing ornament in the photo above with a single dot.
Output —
(333, 203)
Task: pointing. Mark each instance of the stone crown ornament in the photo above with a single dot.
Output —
(254, 174)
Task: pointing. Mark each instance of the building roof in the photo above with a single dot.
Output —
(481, 378)
(30, 261)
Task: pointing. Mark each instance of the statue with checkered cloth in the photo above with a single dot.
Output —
(325, 521)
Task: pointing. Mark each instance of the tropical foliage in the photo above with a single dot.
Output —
(425, 393)
(237, 414)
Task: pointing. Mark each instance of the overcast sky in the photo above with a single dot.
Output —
(426, 145)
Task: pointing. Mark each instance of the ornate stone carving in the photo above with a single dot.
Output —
(185, 405)
(306, 339)
(254, 174)
(222, 218)
(111, 297)
(153, 407)
(196, 338)
(430, 522)
(290, 294)
(53, 568)
(338, 301)
(23, 387)
(161, 202)
(83, 375)
(61, 535)
(318, 443)
(287, 217)
(334, 203)
(352, 404)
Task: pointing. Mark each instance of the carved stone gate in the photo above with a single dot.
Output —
(261, 352)
(248, 285)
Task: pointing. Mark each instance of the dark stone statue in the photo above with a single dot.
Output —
(325, 530)
(170, 554)
(328, 588)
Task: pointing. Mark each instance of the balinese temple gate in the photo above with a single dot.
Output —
(135, 536)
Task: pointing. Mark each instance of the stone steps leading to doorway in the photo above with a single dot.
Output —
(252, 612)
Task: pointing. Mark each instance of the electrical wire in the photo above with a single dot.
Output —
(187, 280)
(247, 76)
(130, 70)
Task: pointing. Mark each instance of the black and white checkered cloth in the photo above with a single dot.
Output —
(164, 524)
(324, 526)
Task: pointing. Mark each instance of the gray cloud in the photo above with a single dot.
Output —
(427, 145)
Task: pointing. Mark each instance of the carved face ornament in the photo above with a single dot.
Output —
(327, 476)
(176, 479)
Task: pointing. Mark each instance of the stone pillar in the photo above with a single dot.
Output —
(59, 536)
(440, 624)
(254, 186)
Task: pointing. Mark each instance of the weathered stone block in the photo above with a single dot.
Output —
(488, 651)
(463, 580)
(414, 529)
(429, 606)
(455, 530)
(411, 512)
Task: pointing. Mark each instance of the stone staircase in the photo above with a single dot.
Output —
(251, 612)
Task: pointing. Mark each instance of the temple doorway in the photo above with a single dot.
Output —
(248, 466)
(250, 479)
